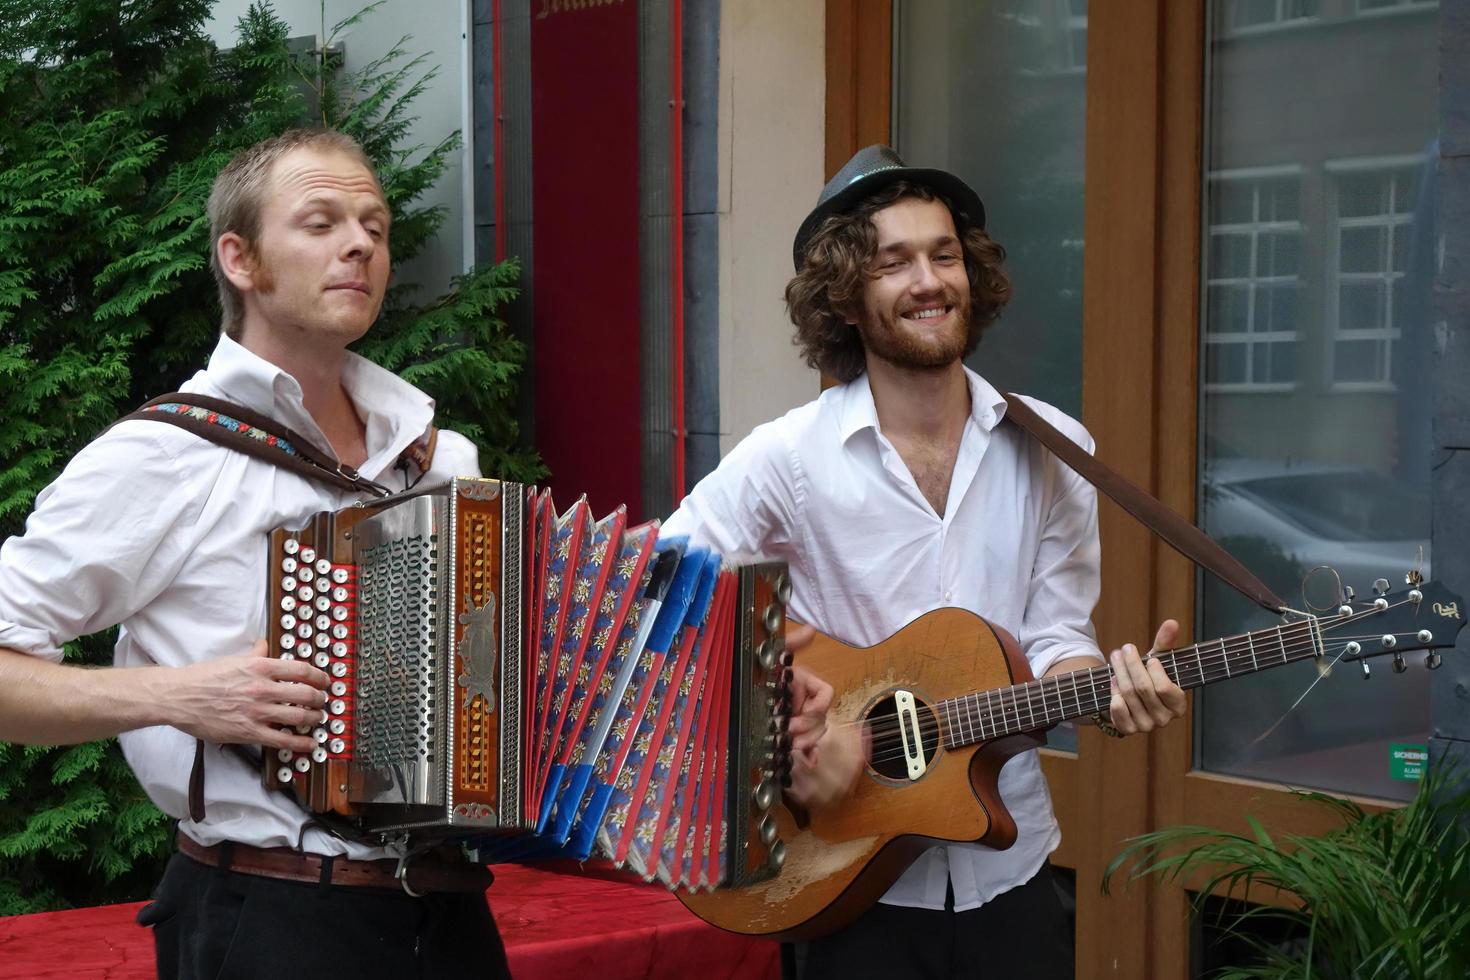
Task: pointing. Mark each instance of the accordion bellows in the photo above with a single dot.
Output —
(541, 684)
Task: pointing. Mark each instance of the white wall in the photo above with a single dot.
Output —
(436, 29)
(772, 139)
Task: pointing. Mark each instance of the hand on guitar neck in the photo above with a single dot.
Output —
(1144, 698)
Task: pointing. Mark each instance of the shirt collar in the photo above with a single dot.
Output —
(394, 412)
(856, 410)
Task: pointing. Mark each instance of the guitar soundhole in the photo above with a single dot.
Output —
(886, 752)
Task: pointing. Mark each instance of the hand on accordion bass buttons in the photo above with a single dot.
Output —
(253, 699)
(826, 759)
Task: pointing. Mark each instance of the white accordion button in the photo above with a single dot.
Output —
(339, 613)
(339, 688)
(288, 603)
(323, 566)
(336, 726)
(288, 622)
(323, 640)
(289, 583)
(337, 707)
(323, 623)
(323, 603)
(339, 575)
(339, 594)
(303, 630)
(320, 735)
(288, 564)
(318, 754)
(308, 556)
(321, 660)
(336, 746)
(339, 632)
(303, 764)
(284, 754)
(283, 774)
(288, 641)
(305, 594)
(323, 586)
(291, 546)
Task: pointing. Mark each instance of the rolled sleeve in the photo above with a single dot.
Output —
(100, 543)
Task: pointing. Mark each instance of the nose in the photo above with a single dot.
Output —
(360, 245)
(925, 279)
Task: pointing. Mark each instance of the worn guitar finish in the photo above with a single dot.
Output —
(975, 706)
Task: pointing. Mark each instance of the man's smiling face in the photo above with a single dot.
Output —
(916, 306)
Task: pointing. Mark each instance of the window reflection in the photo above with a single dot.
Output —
(1314, 419)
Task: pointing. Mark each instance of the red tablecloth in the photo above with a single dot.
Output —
(556, 924)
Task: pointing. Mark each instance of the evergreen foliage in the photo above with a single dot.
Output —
(115, 116)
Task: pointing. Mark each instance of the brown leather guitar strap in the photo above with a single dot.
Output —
(1151, 512)
(243, 430)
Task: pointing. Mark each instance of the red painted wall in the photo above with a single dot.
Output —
(584, 143)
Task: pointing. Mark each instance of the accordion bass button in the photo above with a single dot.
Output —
(768, 829)
(783, 588)
(767, 653)
(772, 617)
(766, 794)
(778, 855)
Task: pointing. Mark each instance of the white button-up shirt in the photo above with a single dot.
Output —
(822, 489)
(164, 532)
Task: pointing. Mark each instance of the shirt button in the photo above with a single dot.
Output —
(948, 595)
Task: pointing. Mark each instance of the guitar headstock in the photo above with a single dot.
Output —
(1425, 616)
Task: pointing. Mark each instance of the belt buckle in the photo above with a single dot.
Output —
(401, 874)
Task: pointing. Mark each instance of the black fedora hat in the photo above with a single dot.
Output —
(870, 170)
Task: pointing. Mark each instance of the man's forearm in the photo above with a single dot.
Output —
(43, 703)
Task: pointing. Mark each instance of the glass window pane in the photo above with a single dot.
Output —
(1314, 442)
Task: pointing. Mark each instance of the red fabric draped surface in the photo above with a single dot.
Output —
(556, 923)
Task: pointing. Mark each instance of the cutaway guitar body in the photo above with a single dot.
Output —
(840, 860)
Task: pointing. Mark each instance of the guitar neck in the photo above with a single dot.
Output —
(985, 715)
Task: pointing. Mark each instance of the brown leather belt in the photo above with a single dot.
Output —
(417, 876)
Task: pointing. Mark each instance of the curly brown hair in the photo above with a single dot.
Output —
(827, 294)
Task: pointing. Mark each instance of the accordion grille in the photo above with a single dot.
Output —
(397, 652)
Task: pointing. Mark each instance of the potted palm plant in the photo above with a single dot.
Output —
(1383, 896)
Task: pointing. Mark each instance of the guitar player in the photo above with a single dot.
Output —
(899, 491)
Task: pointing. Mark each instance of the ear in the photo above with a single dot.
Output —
(236, 260)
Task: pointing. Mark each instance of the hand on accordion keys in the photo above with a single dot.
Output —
(826, 760)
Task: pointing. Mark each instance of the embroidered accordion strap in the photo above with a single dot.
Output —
(1151, 512)
(243, 430)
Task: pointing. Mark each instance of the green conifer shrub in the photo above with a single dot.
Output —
(115, 116)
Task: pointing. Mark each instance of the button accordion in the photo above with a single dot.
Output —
(537, 683)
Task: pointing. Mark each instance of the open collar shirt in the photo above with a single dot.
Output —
(165, 533)
(825, 491)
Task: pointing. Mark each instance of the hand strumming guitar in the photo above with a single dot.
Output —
(826, 760)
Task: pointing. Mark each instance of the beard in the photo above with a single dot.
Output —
(889, 337)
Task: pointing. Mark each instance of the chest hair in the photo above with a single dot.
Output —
(931, 464)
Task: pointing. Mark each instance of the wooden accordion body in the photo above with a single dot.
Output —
(496, 677)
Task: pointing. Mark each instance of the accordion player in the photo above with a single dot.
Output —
(537, 684)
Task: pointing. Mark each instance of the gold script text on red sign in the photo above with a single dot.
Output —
(549, 7)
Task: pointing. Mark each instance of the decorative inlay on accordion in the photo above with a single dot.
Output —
(545, 684)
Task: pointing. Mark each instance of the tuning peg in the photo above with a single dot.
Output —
(1380, 586)
(1433, 660)
(1347, 591)
(1398, 663)
(1415, 577)
(1366, 672)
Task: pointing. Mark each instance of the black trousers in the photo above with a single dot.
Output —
(209, 924)
(1022, 934)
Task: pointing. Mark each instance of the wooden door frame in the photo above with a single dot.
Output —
(1141, 287)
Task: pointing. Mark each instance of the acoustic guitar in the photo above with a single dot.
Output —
(950, 697)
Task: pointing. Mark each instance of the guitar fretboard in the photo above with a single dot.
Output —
(986, 715)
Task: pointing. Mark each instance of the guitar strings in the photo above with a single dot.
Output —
(1294, 640)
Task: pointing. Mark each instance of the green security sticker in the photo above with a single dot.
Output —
(1407, 761)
